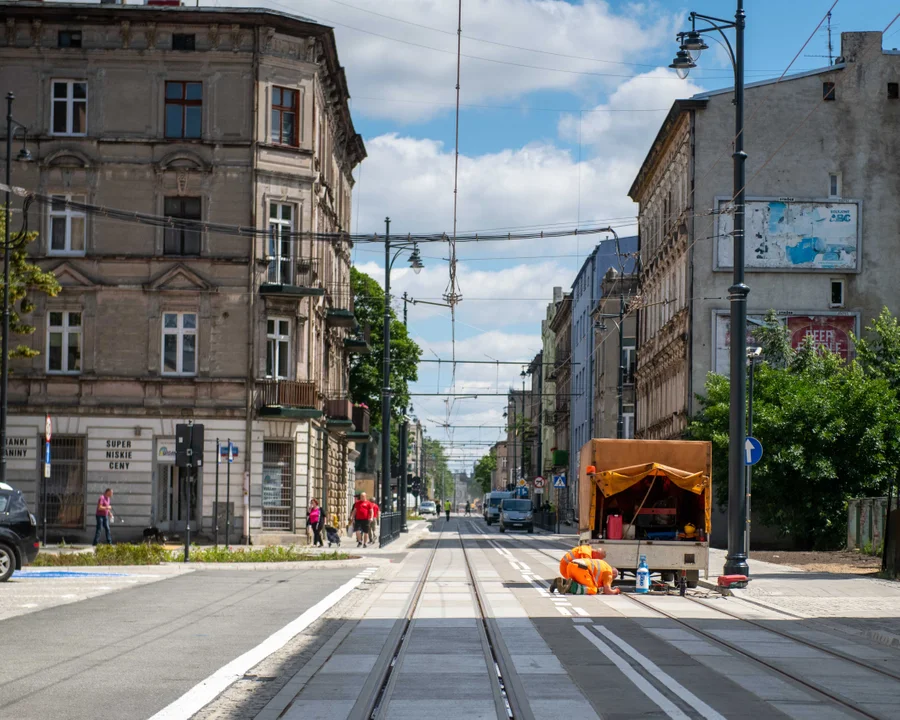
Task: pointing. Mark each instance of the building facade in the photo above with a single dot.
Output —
(617, 293)
(548, 396)
(203, 121)
(821, 221)
(561, 327)
(500, 475)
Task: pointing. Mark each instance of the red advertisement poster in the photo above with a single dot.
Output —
(830, 331)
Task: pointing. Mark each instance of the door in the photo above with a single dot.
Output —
(172, 500)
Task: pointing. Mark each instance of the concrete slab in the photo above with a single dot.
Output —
(538, 664)
(445, 664)
(319, 710)
(413, 710)
(352, 664)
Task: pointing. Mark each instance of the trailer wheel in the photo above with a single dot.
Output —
(693, 578)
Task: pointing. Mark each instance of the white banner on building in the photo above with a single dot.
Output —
(21, 449)
(119, 455)
(788, 234)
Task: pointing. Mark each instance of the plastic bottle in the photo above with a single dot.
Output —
(642, 584)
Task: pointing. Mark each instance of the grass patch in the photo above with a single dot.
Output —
(144, 554)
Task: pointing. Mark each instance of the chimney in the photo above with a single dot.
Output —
(557, 295)
(854, 45)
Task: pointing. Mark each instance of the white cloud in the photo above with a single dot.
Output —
(392, 76)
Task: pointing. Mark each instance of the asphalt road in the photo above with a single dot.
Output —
(128, 654)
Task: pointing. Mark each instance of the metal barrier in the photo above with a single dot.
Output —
(545, 520)
(391, 522)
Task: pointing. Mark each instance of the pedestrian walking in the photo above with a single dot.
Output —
(103, 513)
(447, 507)
(373, 523)
(362, 517)
(315, 520)
(468, 509)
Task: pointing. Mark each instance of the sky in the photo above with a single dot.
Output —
(560, 101)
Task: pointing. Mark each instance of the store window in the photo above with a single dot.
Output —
(64, 491)
(278, 486)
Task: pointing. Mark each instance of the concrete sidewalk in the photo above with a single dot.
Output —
(858, 605)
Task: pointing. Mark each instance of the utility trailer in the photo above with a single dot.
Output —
(648, 497)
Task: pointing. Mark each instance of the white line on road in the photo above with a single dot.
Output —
(582, 612)
(209, 689)
(668, 707)
(667, 680)
(563, 611)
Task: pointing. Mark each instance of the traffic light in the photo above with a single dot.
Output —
(189, 438)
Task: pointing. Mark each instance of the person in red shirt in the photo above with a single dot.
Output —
(362, 516)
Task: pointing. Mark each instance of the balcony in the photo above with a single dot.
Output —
(340, 309)
(360, 433)
(339, 413)
(287, 275)
(288, 399)
(358, 343)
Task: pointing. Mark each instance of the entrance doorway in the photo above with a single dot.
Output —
(172, 501)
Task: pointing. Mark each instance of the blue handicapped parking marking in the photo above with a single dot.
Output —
(41, 574)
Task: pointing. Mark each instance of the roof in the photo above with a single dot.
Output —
(770, 81)
(253, 16)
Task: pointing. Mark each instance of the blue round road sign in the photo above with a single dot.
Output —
(752, 451)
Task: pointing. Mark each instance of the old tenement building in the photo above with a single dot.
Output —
(233, 117)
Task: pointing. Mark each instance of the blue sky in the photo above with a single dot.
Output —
(538, 147)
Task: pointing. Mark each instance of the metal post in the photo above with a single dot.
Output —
(523, 426)
(218, 462)
(4, 365)
(386, 505)
(401, 485)
(736, 560)
(325, 442)
(620, 385)
(227, 495)
(749, 467)
(190, 472)
(405, 301)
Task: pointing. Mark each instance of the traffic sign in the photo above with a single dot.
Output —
(522, 491)
(752, 451)
(538, 482)
(48, 428)
(521, 482)
(559, 481)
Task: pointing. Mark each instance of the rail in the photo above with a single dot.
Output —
(389, 530)
(287, 393)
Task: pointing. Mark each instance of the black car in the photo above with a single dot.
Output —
(18, 532)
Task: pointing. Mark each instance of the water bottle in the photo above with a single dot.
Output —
(642, 584)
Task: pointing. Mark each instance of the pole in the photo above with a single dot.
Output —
(190, 472)
(4, 365)
(749, 467)
(228, 495)
(401, 485)
(386, 383)
(620, 385)
(218, 462)
(405, 301)
(325, 441)
(736, 560)
(523, 426)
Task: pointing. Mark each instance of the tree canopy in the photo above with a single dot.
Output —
(24, 278)
(828, 429)
(366, 370)
(483, 469)
(438, 476)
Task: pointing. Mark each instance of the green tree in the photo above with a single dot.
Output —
(879, 353)
(366, 370)
(483, 469)
(828, 433)
(438, 476)
(25, 279)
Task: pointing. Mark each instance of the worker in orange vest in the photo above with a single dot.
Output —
(592, 577)
(582, 552)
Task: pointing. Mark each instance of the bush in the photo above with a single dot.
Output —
(271, 553)
(122, 554)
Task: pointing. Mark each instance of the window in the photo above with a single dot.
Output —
(834, 185)
(278, 348)
(66, 226)
(179, 344)
(182, 240)
(69, 39)
(184, 109)
(278, 485)
(828, 91)
(893, 91)
(68, 111)
(281, 225)
(628, 421)
(64, 342)
(284, 116)
(837, 294)
(64, 491)
(628, 375)
(182, 41)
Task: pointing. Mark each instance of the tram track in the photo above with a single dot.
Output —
(736, 648)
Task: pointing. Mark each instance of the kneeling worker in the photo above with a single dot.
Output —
(582, 552)
(587, 577)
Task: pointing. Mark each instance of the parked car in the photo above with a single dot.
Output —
(427, 508)
(492, 505)
(516, 514)
(19, 543)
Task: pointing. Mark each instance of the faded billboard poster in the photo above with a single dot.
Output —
(793, 235)
(829, 331)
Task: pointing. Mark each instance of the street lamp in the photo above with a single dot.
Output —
(738, 509)
(23, 156)
(416, 263)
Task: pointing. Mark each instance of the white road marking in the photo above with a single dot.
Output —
(582, 612)
(563, 611)
(667, 680)
(667, 706)
(209, 689)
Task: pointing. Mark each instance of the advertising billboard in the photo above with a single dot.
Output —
(830, 330)
(787, 234)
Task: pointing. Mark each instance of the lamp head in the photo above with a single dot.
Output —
(682, 64)
(24, 155)
(415, 260)
(693, 42)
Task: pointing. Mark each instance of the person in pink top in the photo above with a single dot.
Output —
(315, 520)
(104, 510)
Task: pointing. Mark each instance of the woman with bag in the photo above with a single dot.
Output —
(315, 520)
